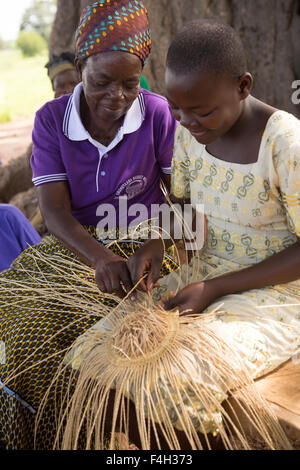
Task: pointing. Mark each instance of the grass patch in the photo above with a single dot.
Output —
(24, 85)
(5, 117)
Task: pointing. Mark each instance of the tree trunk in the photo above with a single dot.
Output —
(62, 37)
(270, 31)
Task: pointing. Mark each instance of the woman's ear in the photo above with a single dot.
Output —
(245, 85)
(78, 65)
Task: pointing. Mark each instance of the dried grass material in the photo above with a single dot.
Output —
(161, 360)
(147, 354)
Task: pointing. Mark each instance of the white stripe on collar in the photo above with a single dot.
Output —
(75, 130)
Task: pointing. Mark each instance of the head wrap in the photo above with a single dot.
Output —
(114, 25)
(60, 63)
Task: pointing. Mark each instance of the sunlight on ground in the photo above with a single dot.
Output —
(24, 85)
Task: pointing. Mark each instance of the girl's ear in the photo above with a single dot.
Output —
(245, 85)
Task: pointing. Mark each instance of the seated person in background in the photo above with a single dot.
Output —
(16, 233)
(62, 73)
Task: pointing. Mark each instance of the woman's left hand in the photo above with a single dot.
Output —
(192, 299)
(149, 256)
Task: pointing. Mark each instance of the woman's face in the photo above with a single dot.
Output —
(111, 82)
(208, 106)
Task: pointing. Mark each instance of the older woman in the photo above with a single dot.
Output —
(107, 142)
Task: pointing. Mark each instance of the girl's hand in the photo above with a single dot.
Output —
(111, 271)
(150, 257)
(192, 299)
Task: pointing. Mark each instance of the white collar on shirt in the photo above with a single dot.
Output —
(75, 130)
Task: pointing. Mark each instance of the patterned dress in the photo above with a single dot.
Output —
(253, 212)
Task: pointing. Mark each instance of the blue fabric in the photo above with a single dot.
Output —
(16, 233)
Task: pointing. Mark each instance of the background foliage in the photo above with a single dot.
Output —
(39, 17)
(31, 43)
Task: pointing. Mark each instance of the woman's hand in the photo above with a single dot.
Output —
(192, 299)
(111, 271)
(150, 257)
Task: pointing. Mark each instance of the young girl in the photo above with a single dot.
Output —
(240, 158)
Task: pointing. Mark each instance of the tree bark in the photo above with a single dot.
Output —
(15, 177)
(64, 26)
(270, 31)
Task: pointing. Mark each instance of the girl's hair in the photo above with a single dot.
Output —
(207, 46)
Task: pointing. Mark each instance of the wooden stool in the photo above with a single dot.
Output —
(281, 389)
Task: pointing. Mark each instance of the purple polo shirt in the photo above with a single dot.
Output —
(131, 166)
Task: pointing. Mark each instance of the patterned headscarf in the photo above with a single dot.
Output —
(114, 25)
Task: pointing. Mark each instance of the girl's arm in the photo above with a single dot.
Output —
(278, 269)
(110, 269)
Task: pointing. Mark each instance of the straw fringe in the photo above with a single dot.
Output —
(155, 372)
(149, 355)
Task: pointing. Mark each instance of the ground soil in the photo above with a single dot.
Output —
(15, 137)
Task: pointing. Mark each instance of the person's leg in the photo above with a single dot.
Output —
(215, 443)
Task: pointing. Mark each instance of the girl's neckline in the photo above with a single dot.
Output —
(260, 147)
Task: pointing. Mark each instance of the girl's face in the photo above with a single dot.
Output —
(111, 82)
(207, 105)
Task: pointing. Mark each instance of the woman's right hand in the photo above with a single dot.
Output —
(110, 271)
